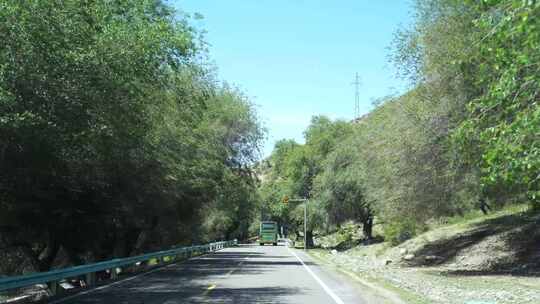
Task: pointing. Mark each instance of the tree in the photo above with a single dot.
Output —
(503, 123)
(112, 132)
(339, 189)
(294, 168)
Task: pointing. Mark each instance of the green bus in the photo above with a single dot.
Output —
(268, 233)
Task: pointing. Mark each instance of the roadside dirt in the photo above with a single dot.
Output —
(495, 259)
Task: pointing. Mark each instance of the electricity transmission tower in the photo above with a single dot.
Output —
(356, 84)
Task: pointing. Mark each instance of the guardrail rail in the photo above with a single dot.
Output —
(88, 272)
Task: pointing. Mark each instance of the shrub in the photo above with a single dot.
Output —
(398, 232)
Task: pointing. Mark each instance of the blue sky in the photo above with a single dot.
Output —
(296, 58)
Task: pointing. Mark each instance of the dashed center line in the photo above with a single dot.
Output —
(209, 289)
(235, 269)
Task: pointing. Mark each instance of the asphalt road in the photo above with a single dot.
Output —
(244, 274)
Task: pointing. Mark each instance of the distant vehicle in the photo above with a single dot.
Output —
(268, 233)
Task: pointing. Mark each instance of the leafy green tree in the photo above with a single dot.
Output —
(112, 132)
(293, 170)
(339, 189)
(501, 132)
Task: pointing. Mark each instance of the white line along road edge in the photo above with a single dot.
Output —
(324, 286)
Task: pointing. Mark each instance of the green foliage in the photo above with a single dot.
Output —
(504, 119)
(340, 186)
(399, 231)
(346, 236)
(292, 170)
(480, 58)
(109, 126)
(472, 64)
(468, 129)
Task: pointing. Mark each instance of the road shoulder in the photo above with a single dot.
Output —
(373, 291)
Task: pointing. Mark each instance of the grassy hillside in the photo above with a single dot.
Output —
(492, 259)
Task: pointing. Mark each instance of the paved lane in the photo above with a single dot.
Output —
(244, 274)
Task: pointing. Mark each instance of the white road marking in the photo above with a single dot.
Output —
(324, 286)
(16, 299)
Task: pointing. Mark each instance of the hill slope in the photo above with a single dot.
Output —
(492, 259)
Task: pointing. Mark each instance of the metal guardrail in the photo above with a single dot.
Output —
(52, 278)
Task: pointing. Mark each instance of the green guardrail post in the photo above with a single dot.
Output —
(54, 287)
(114, 273)
(90, 279)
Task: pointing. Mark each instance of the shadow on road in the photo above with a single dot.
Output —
(187, 282)
(191, 294)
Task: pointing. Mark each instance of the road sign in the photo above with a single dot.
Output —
(285, 199)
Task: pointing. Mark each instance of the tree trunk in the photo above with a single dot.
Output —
(298, 237)
(484, 206)
(368, 228)
(309, 239)
(3, 148)
(47, 256)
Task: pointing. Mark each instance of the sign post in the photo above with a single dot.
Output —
(305, 224)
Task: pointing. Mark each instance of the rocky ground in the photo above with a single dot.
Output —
(495, 259)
